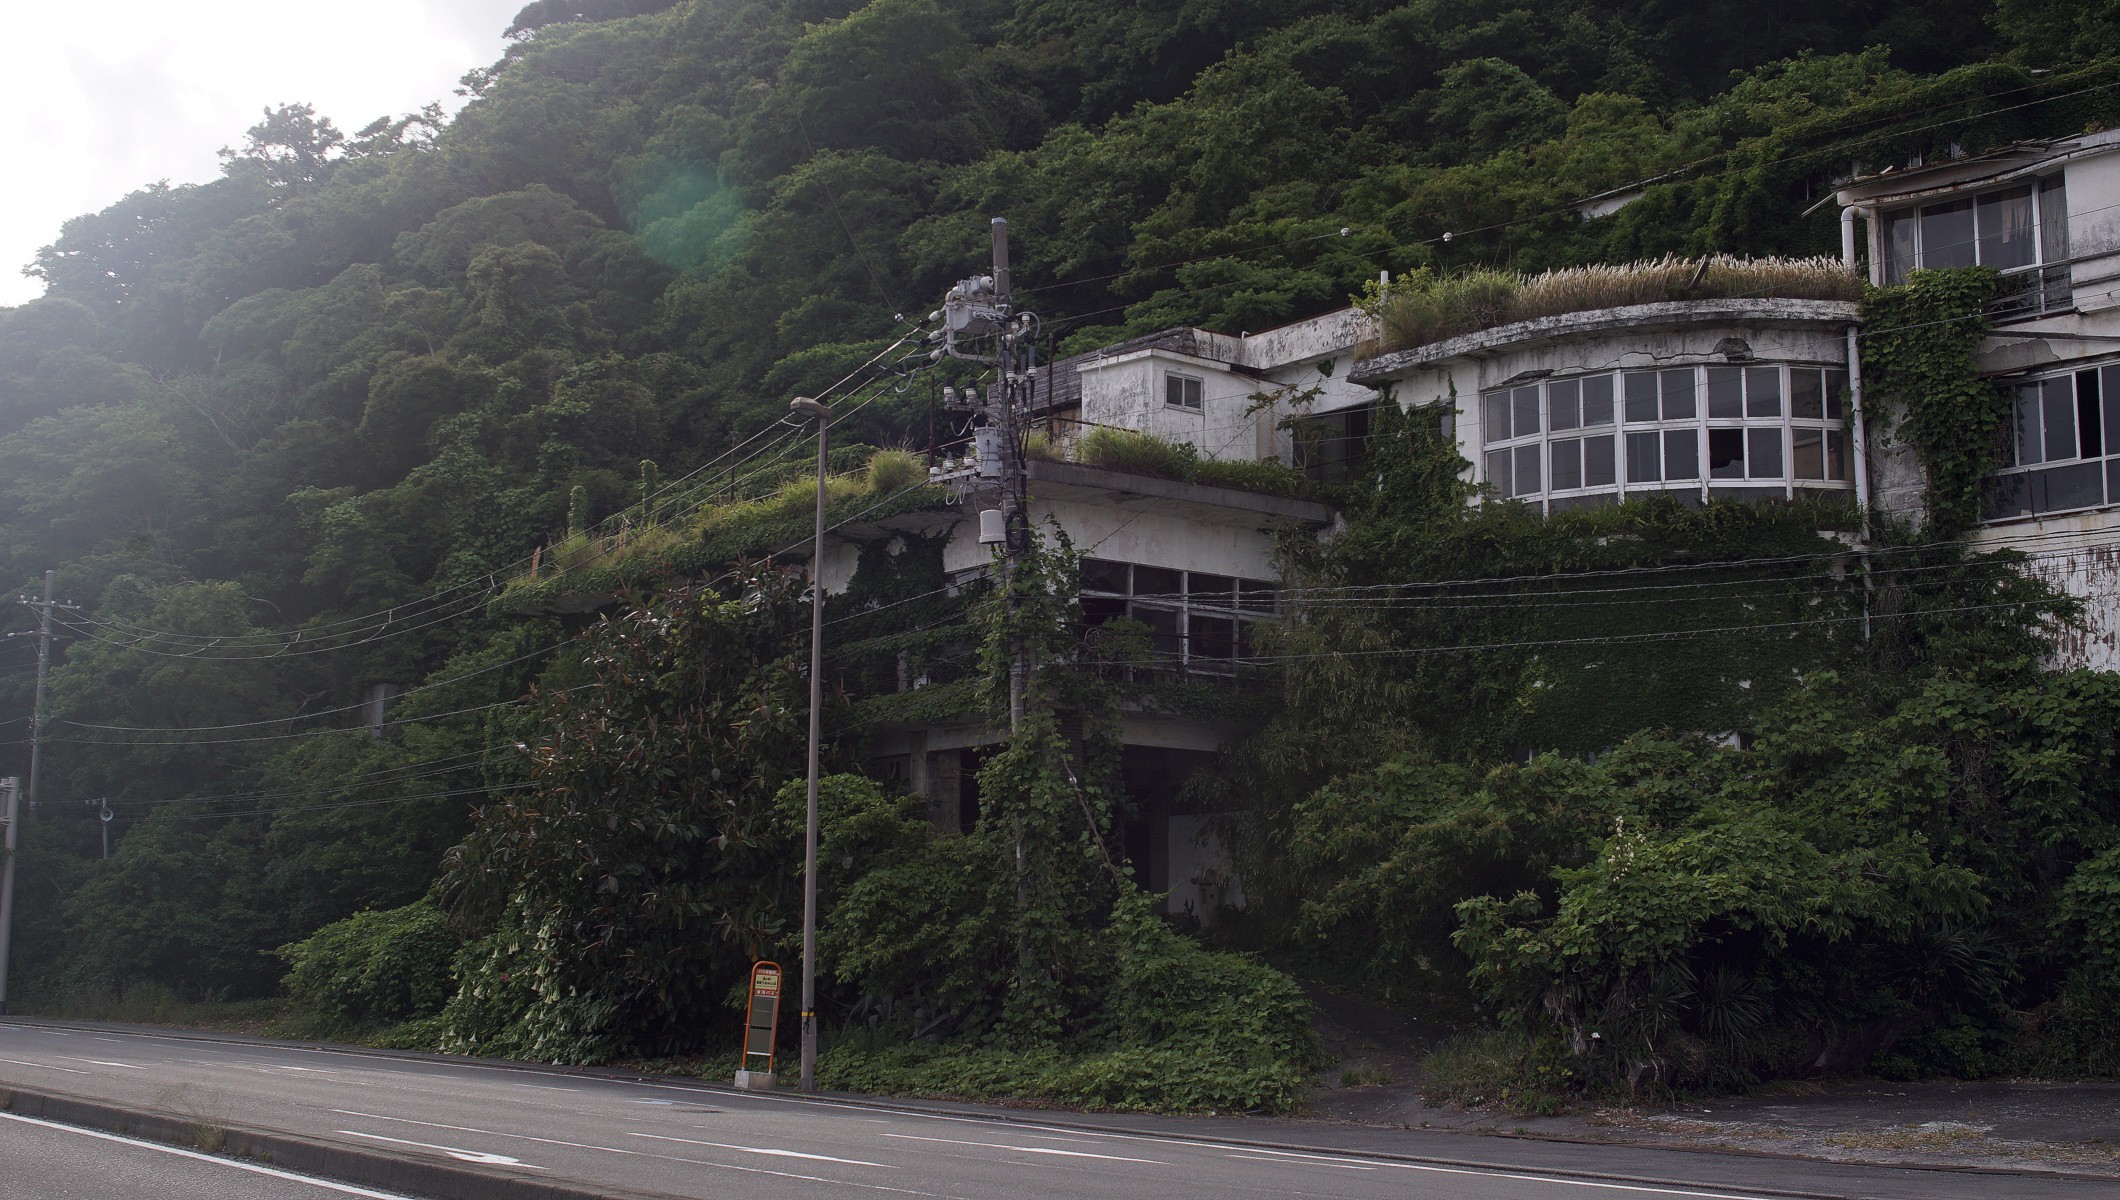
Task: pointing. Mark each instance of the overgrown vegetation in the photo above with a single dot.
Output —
(1427, 307)
(1141, 453)
(1918, 343)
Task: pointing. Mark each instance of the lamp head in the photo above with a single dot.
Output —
(809, 407)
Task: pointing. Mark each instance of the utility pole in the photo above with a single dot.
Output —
(1015, 523)
(44, 665)
(10, 810)
(803, 404)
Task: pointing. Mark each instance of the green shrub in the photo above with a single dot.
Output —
(1501, 1070)
(893, 471)
(1146, 454)
(374, 968)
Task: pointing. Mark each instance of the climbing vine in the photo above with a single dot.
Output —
(1918, 352)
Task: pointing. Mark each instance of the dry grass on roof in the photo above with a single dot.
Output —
(1424, 308)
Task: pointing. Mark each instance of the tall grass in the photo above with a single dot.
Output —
(1424, 308)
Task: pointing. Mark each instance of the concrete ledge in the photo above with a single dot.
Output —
(308, 1156)
(1124, 486)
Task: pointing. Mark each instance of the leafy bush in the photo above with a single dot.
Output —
(1146, 454)
(374, 968)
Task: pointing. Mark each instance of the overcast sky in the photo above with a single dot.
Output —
(101, 98)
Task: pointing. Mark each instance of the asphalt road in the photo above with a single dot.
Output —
(667, 1139)
(43, 1161)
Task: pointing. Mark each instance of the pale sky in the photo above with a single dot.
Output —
(102, 97)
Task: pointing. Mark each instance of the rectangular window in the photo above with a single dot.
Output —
(2029, 445)
(1837, 456)
(1164, 635)
(1256, 595)
(1644, 457)
(1899, 247)
(1726, 454)
(1762, 391)
(1564, 404)
(1726, 393)
(1158, 582)
(1523, 403)
(2109, 388)
(1567, 464)
(1527, 473)
(2053, 221)
(1836, 395)
(1494, 417)
(2057, 418)
(1947, 235)
(1807, 452)
(1678, 395)
(1103, 575)
(1807, 396)
(1499, 475)
(1599, 470)
(2089, 435)
(1213, 638)
(1641, 395)
(1215, 591)
(1183, 391)
(2005, 224)
(1597, 400)
(1763, 453)
(1681, 454)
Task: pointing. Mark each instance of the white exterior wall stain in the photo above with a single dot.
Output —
(2074, 554)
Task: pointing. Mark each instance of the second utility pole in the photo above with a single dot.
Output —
(44, 666)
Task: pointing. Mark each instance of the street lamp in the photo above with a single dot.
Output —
(809, 407)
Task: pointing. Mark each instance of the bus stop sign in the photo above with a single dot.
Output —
(763, 1015)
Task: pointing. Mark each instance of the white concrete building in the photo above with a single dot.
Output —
(2047, 215)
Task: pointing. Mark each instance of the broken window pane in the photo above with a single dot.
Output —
(1103, 575)
(1726, 454)
(1156, 581)
(2089, 438)
(1217, 590)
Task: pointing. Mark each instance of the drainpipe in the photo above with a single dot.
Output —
(1862, 440)
(1855, 424)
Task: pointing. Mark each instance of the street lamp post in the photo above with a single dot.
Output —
(803, 404)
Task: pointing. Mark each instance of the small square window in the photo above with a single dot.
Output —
(1183, 391)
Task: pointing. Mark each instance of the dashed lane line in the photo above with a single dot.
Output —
(911, 1137)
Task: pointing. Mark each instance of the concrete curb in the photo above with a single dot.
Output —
(306, 1156)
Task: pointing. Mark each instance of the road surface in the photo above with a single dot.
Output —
(40, 1160)
(665, 1139)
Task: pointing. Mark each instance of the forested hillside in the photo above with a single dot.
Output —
(283, 435)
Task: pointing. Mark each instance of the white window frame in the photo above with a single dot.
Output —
(2030, 289)
(1248, 602)
(1662, 417)
(1194, 385)
(2035, 483)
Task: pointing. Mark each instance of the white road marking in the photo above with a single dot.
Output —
(1291, 1163)
(43, 1066)
(344, 1189)
(765, 1150)
(521, 1137)
(481, 1157)
(1156, 1162)
(102, 1063)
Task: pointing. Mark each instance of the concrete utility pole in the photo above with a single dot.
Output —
(803, 404)
(1015, 523)
(10, 810)
(36, 718)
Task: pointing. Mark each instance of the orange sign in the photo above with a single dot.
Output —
(762, 1019)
